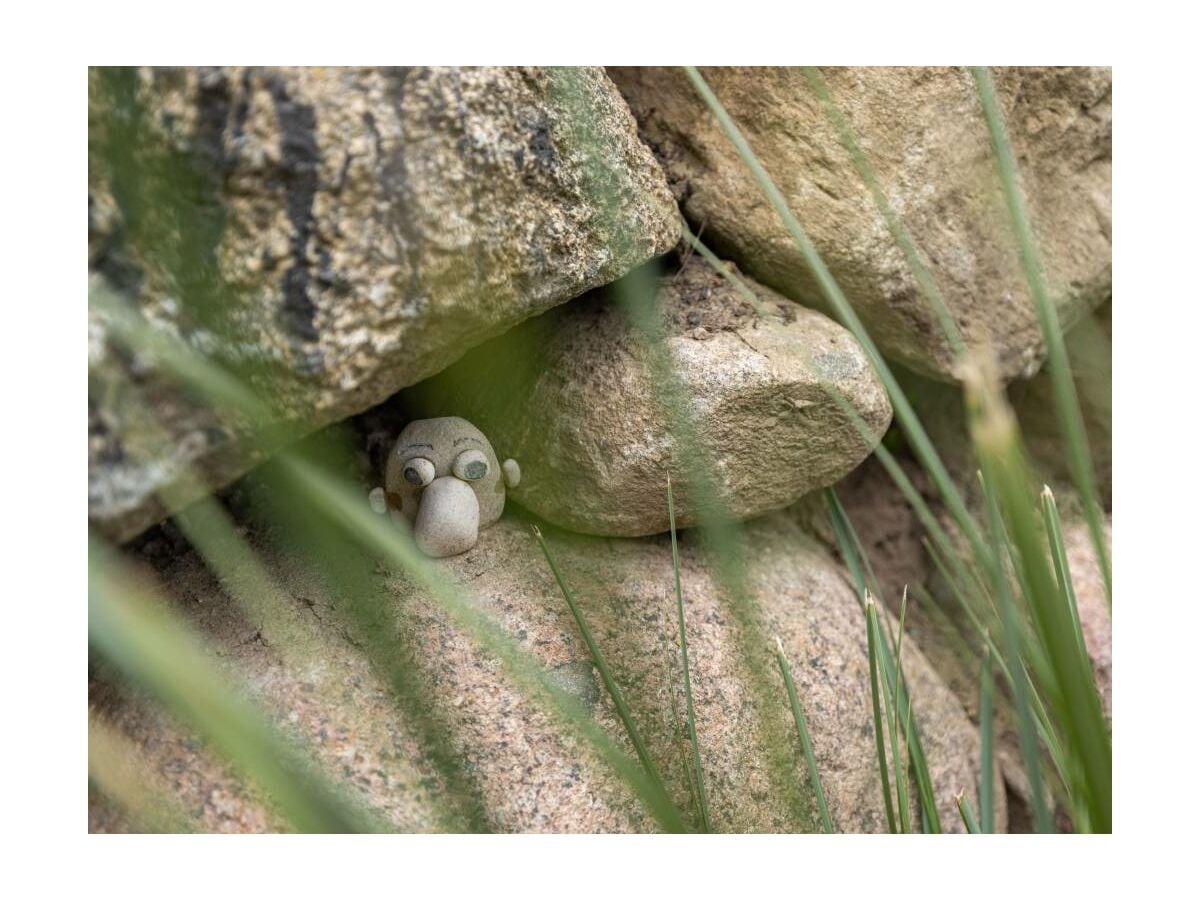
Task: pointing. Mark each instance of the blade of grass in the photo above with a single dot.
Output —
(900, 748)
(459, 805)
(1058, 554)
(702, 794)
(610, 683)
(810, 759)
(722, 538)
(968, 814)
(987, 812)
(873, 643)
(1079, 456)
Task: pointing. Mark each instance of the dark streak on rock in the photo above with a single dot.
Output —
(297, 125)
(395, 178)
(241, 110)
(213, 104)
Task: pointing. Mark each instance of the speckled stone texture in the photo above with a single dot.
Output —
(529, 772)
(923, 132)
(356, 230)
(571, 396)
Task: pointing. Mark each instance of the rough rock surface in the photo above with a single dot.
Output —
(352, 230)
(923, 133)
(530, 774)
(571, 396)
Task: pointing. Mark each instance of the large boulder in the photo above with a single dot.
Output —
(337, 234)
(528, 772)
(574, 398)
(923, 132)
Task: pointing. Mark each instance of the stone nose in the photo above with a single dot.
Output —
(447, 518)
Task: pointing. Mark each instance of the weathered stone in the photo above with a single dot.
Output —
(350, 231)
(923, 132)
(572, 397)
(530, 773)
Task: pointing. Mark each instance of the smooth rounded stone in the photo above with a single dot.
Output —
(570, 395)
(923, 132)
(355, 229)
(530, 772)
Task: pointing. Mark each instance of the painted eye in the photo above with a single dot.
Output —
(470, 465)
(418, 471)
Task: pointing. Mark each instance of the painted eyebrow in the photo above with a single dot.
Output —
(415, 446)
(460, 440)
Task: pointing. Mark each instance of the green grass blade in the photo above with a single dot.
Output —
(814, 776)
(873, 643)
(987, 811)
(1066, 400)
(1058, 555)
(701, 793)
(968, 814)
(900, 748)
(610, 683)
(135, 631)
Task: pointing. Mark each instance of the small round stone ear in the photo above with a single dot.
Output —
(512, 473)
(470, 465)
(418, 471)
(378, 500)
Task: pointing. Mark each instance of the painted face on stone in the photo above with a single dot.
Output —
(444, 479)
